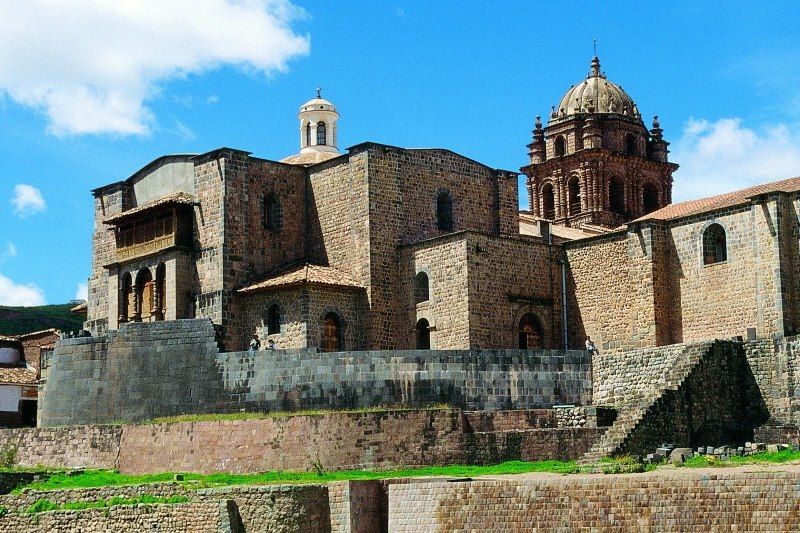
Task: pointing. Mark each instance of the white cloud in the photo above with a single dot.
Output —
(184, 132)
(723, 156)
(92, 65)
(14, 294)
(27, 200)
(213, 99)
(82, 292)
(11, 250)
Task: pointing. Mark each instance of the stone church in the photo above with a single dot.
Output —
(385, 248)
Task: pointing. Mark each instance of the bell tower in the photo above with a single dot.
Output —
(595, 162)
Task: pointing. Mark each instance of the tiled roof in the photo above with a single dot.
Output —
(50, 331)
(80, 309)
(8, 339)
(529, 225)
(181, 198)
(306, 274)
(722, 201)
(17, 375)
(308, 159)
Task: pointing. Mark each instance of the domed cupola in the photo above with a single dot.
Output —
(318, 119)
(595, 163)
(596, 94)
(318, 133)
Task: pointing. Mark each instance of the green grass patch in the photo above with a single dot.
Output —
(106, 478)
(211, 417)
(705, 461)
(44, 505)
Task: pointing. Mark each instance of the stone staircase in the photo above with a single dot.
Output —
(638, 406)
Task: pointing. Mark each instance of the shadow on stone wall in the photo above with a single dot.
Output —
(718, 403)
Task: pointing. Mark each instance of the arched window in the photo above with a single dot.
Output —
(616, 196)
(548, 201)
(332, 333)
(308, 134)
(423, 335)
(273, 319)
(649, 197)
(530, 332)
(444, 211)
(273, 214)
(630, 145)
(125, 297)
(574, 191)
(715, 247)
(321, 137)
(421, 288)
(560, 146)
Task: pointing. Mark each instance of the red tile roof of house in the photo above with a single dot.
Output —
(722, 201)
(306, 274)
(17, 375)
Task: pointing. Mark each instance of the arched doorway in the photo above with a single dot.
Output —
(531, 335)
(423, 334)
(144, 290)
(332, 333)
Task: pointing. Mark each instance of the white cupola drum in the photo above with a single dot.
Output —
(318, 129)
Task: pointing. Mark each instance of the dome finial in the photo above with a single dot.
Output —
(319, 89)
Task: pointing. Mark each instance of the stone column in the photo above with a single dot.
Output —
(122, 300)
(137, 303)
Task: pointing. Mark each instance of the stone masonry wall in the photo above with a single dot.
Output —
(678, 501)
(76, 446)
(141, 371)
(334, 441)
(474, 380)
(147, 370)
(185, 517)
(403, 187)
(444, 260)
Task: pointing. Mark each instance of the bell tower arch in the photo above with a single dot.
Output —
(595, 162)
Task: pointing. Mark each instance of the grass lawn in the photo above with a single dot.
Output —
(104, 478)
(283, 414)
(704, 461)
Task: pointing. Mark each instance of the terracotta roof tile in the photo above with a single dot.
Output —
(306, 274)
(722, 201)
(181, 198)
(529, 225)
(17, 375)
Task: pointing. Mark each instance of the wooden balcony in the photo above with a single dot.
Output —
(155, 245)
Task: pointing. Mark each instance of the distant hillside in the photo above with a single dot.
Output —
(19, 320)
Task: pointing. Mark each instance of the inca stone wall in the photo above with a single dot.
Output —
(333, 441)
(679, 501)
(473, 380)
(148, 370)
(77, 446)
(278, 508)
(141, 371)
(185, 517)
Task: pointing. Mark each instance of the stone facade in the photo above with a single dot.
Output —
(650, 285)
(384, 439)
(679, 501)
(148, 370)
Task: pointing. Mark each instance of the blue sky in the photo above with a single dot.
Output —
(80, 108)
